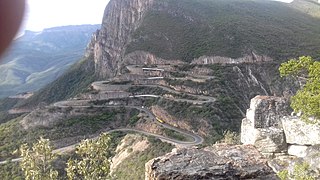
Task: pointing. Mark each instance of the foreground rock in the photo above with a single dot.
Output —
(291, 144)
(220, 161)
(294, 164)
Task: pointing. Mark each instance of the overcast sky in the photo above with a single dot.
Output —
(50, 13)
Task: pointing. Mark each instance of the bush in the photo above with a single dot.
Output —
(230, 137)
(301, 171)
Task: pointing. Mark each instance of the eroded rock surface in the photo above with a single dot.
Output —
(220, 161)
(252, 58)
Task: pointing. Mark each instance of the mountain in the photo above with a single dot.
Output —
(311, 7)
(37, 58)
(238, 45)
(189, 29)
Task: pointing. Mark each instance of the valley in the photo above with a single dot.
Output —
(35, 59)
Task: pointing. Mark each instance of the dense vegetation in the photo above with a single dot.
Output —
(307, 99)
(92, 160)
(37, 161)
(187, 29)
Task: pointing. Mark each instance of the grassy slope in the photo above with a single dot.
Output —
(133, 167)
(187, 29)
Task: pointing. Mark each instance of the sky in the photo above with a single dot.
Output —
(42, 14)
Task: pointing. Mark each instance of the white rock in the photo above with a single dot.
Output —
(247, 132)
(297, 150)
(299, 132)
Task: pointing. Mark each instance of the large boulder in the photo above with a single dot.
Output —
(300, 132)
(262, 126)
(220, 161)
(266, 111)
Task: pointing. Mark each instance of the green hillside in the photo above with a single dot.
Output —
(187, 29)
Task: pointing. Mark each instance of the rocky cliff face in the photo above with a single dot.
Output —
(120, 19)
(253, 58)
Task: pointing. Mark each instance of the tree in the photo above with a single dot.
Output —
(36, 163)
(307, 99)
(93, 159)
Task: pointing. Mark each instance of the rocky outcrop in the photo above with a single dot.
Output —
(120, 19)
(129, 145)
(291, 139)
(262, 126)
(300, 132)
(220, 161)
(253, 58)
(310, 159)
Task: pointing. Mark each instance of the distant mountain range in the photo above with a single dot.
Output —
(37, 58)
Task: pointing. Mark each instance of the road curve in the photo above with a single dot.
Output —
(196, 138)
(100, 85)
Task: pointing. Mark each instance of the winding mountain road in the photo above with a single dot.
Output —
(103, 86)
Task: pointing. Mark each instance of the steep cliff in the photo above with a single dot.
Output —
(121, 19)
